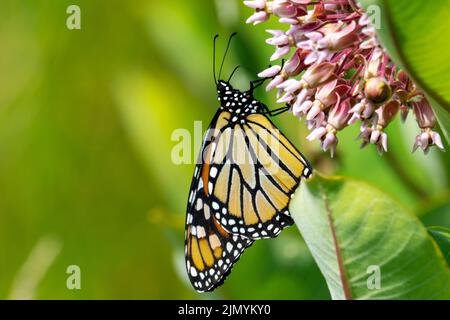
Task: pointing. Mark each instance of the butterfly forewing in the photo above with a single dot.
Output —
(253, 173)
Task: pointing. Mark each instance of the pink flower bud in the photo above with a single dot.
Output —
(317, 134)
(284, 9)
(316, 108)
(286, 98)
(402, 77)
(377, 90)
(282, 40)
(340, 40)
(256, 4)
(280, 52)
(424, 114)
(339, 115)
(300, 107)
(274, 83)
(291, 21)
(304, 2)
(330, 93)
(258, 17)
(270, 72)
(292, 86)
(387, 113)
(295, 64)
(330, 142)
(319, 74)
(426, 139)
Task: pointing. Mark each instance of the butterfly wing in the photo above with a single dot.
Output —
(253, 172)
(210, 251)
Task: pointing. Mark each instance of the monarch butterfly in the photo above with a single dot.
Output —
(232, 202)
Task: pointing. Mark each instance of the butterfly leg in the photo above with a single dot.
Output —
(278, 111)
(256, 83)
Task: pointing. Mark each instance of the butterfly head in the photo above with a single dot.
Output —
(223, 86)
(234, 100)
(238, 103)
(226, 93)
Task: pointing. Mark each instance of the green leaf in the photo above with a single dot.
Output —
(354, 230)
(414, 35)
(442, 237)
(436, 213)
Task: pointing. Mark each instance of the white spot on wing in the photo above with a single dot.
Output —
(210, 187)
(206, 212)
(200, 232)
(199, 204)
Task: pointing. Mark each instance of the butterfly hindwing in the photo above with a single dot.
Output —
(210, 250)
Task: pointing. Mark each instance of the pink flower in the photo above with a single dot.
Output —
(256, 4)
(258, 17)
(312, 44)
(284, 9)
(424, 114)
(339, 40)
(337, 73)
(426, 139)
(377, 90)
(339, 115)
(325, 97)
(295, 65)
(375, 134)
(283, 41)
(337, 120)
(270, 72)
(363, 110)
(426, 120)
(319, 74)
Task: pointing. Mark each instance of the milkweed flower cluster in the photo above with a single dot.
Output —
(336, 73)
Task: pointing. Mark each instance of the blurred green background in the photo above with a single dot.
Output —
(86, 176)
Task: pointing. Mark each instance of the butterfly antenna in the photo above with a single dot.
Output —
(214, 58)
(232, 73)
(226, 51)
